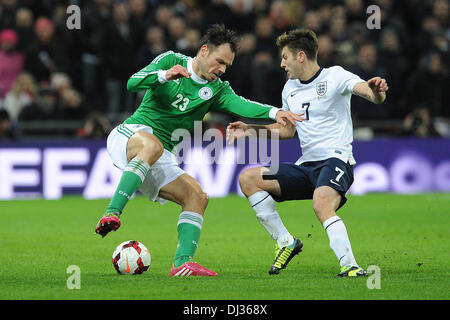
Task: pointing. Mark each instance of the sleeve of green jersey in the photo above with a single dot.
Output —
(148, 76)
(230, 102)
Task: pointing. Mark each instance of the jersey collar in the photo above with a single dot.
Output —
(313, 77)
(194, 76)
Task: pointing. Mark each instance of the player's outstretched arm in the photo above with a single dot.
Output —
(373, 90)
(287, 117)
(239, 129)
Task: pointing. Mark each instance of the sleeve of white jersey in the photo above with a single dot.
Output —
(284, 95)
(346, 80)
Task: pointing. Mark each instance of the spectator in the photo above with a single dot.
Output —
(355, 11)
(441, 12)
(266, 76)
(11, 61)
(391, 57)
(349, 46)
(412, 44)
(97, 126)
(326, 56)
(295, 12)
(367, 68)
(419, 124)
(24, 28)
(8, 13)
(46, 54)
(195, 19)
(96, 15)
(338, 29)
(153, 46)
(279, 17)
(240, 72)
(139, 15)
(219, 12)
(117, 49)
(22, 93)
(44, 107)
(424, 38)
(6, 126)
(265, 38)
(72, 105)
(163, 15)
(261, 7)
(189, 44)
(72, 41)
(176, 29)
(59, 82)
(428, 87)
(312, 21)
(243, 20)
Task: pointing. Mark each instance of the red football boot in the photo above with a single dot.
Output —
(191, 269)
(109, 222)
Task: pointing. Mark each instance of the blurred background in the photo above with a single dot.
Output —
(62, 83)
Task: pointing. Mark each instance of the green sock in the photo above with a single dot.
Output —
(189, 227)
(132, 178)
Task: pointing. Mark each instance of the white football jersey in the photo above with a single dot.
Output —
(327, 131)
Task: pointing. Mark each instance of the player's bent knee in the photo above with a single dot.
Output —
(145, 146)
(195, 200)
(325, 203)
(248, 179)
(203, 199)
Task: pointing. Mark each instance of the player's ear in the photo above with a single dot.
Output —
(301, 56)
(204, 50)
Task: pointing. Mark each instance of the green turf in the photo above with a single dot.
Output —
(407, 237)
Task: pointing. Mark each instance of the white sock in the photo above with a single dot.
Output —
(267, 215)
(339, 241)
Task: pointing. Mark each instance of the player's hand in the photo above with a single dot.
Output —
(283, 116)
(236, 130)
(378, 84)
(177, 72)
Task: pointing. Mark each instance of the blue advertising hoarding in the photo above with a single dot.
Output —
(51, 169)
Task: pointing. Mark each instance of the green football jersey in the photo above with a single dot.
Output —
(176, 104)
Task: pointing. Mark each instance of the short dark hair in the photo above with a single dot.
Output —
(217, 35)
(300, 40)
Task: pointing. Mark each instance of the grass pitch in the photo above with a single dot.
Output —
(407, 237)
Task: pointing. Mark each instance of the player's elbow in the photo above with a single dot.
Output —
(131, 86)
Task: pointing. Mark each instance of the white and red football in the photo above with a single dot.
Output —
(131, 257)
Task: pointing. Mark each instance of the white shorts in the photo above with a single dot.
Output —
(162, 172)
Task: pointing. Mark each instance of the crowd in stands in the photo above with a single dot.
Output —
(49, 72)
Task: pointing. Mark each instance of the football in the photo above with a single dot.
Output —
(131, 257)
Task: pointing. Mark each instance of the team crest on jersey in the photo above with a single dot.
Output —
(205, 93)
(321, 88)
